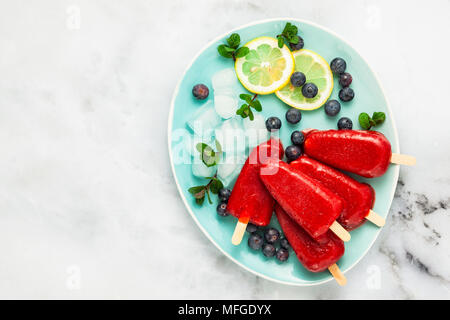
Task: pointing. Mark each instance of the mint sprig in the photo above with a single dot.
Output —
(366, 122)
(289, 35)
(231, 49)
(246, 109)
(200, 192)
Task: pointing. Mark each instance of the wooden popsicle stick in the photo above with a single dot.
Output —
(403, 159)
(239, 231)
(337, 274)
(376, 219)
(340, 231)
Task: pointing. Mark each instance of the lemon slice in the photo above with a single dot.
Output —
(266, 68)
(317, 71)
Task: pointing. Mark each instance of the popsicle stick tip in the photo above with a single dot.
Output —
(376, 219)
(337, 274)
(239, 231)
(340, 231)
(403, 159)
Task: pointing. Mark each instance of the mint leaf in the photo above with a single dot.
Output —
(200, 201)
(294, 39)
(216, 185)
(195, 190)
(234, 40)
(378, 117)
(207, 154)
(223, 51)
(242, 52)
(257, 105)
(280, 41)
(364, 121)
(247, 97)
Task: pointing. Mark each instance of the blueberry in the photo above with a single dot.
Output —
(345, 123)
(284, 243)
(345, 79)
(255, 241)
(297, 137)
(297, 46)
(293, 116)
(222, 209)
(271, 235)
(273, 123)
(338, 65)
(309, 90)
(293, 152)
(332, 107)
(224, 194)
(346, 94)
(200, 91)
(298, 79)
(251, 228)
(268, 250)
(282, 254)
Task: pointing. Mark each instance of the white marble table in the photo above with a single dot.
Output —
(88, 207)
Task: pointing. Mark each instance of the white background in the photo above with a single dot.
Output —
(88, 205)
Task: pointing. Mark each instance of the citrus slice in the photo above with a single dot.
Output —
(266, 68)
(317, 71)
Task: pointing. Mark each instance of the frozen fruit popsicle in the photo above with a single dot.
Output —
(367, 153)
(250, 201)
(308, 202)
(315, 254)
(359, 197)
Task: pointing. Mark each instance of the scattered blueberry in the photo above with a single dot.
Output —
(273, 123)
(345, 123)
(255, 241)
(298, 79)
(338, 65)
(293, 116)
(224, 194)
(271, 235)
(282, 254)
(309, 90)
(346, 94)
(268, 250)
(293, 152)
(297, 46)
(222, 209)
(345, 79)
(251, 228)
(297, 138)
(200, 91)
(332, 107)
(284, 243)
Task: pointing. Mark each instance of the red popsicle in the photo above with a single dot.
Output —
(315, 254)
(250, 200)
(359, 197)
(309, 203)
(367, 153)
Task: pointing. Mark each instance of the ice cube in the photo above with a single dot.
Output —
(231, 136)
(256, 130)
(229, 168)
(225, 105)
(199, 169)
(225, 81)
(204, 120)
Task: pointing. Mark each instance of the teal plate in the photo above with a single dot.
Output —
(369, 97)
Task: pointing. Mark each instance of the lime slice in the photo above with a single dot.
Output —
(317, 71)
(266, 68)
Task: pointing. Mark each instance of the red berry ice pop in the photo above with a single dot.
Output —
(315, 254)
(359, 197)
(366, 153)
(249, 200)
(309, 203)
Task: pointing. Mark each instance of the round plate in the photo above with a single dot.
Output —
(369, 97)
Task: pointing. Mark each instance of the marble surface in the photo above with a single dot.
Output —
(88, 207)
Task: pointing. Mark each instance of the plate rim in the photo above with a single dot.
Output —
(180, 191)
